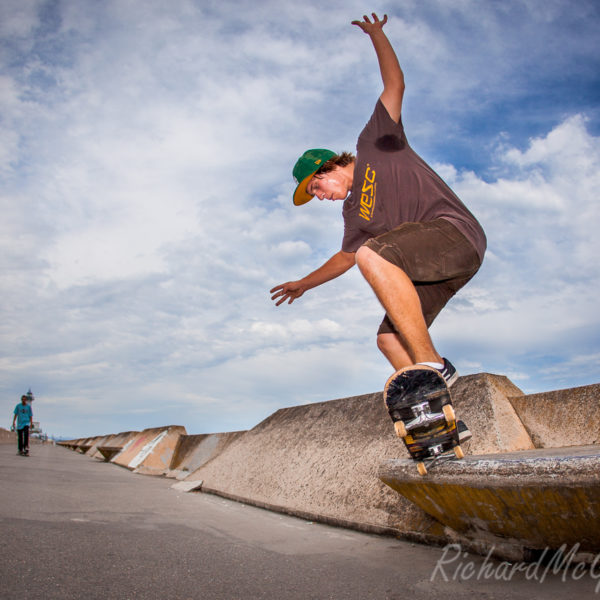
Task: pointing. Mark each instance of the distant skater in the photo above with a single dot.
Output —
(23, 418)
(413, 239)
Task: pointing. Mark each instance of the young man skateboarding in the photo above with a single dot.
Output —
(413, 240)
(23, 419)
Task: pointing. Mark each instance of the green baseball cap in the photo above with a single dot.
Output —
(306, 166)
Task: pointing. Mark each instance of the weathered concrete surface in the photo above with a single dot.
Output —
(510, 503)
(83, 445)
(88, 446)
(320, 460)
(7, 437)
(150, 452)
(483, 402)
(94, 443)
(561, 418)
(193, 451)
(114, 444)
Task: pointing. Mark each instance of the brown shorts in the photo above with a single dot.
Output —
(436, 256)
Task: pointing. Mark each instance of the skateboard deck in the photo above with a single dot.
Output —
(418, 401)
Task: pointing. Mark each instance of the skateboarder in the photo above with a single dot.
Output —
(413, 240)
(23, 417)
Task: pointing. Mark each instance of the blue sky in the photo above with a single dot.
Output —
(146, 150)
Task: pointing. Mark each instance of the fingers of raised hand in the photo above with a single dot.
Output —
(376, 20)
(366, 24)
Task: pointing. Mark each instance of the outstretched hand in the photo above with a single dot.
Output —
(369, 27)
(287, 291)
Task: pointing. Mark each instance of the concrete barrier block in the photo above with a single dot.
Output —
(150, 451)
(510, 504)
(483, 401)
(7, 437)
(84, 445)
(93, 445)
(114, 444)
(134, 446)
(94, 452)
(193, 451)
(561, 418)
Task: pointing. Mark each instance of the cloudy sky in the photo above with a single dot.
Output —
(146, 150)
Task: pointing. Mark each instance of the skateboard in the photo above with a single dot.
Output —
(418, 400)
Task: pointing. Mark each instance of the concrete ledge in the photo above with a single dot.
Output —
(512, 503)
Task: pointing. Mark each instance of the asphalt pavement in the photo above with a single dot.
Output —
(72, 527)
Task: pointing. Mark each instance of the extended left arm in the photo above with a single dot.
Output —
(391, 73)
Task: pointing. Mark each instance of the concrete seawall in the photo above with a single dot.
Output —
(339, 462)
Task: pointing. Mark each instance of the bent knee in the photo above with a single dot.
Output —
(368, 259)
(363, 255)
(386, 342)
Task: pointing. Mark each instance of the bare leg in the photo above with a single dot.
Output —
(398, 296)
(392, 348)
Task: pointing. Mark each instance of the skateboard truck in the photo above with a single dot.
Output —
(423, 416)
(436, 450)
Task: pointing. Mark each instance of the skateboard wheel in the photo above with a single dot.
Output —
(449, 413)
(400, 429)
(422, 468)
(458, 452)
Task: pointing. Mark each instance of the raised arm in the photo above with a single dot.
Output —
(391, 73)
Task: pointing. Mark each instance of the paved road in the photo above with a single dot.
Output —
(76, 528)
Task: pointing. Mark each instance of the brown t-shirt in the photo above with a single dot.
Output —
(394, 185)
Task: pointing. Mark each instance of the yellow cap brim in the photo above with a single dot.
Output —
(301, 196)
